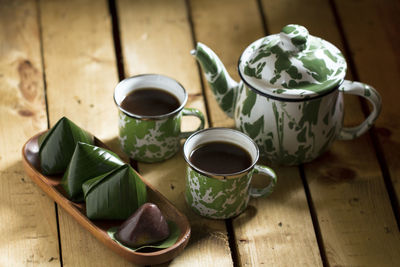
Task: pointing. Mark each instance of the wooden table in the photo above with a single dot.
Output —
(64, 58)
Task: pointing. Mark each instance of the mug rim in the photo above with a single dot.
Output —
(152, 117)
(223, 176)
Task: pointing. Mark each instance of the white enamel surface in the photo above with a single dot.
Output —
(331, 104)
(224, 135)
(149, 81)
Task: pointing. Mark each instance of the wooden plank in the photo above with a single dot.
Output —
(28, 220)
(377, 30)
(227, 28)
(156, 38)
(271, 228)
(347, 189)
(81, 75)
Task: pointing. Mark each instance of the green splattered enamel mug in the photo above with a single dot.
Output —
(227, 195)
(152, 138)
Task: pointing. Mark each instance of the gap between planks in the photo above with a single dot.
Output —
(118, 54)
(39, 21)
(194, 41)
(366, 111)
(314, 219)
(117, 40)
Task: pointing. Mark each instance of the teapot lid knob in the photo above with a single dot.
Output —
(293, 38)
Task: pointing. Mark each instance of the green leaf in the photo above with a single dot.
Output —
(87, 162)
(171, 240)
(114, 195)
(58, 144)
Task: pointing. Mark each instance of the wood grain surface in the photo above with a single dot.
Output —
(339, 210)
(373, 42)
(28, 220)
(356, 226)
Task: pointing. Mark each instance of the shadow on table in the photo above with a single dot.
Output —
(27, 217)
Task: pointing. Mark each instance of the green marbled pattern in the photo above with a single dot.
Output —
(149, 140)
(214, 198)
(292, 64)
(222, 85)
(290, 132)
(294, 67)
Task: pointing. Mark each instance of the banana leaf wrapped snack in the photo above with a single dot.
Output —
(110, 188)
(87, 162)
(114, 195)
(57, 146)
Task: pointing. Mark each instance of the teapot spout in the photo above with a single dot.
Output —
(225, 89)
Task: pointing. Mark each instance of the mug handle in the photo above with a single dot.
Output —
(266, 191)
(368, 92)
(192, 112)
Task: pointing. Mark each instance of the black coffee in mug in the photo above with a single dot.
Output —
(220, 158)
(150, 102)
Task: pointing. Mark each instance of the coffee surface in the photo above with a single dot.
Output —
(220, 158)
(150, 102)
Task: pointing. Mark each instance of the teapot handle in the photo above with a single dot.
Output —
(368, 92)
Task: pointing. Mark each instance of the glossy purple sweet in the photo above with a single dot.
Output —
(146, 226)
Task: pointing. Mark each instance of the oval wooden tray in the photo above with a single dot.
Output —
(51, 185)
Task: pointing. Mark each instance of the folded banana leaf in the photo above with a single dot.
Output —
(114, 195)
(57, 145)
(86, 163)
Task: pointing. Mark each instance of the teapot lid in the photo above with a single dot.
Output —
(292, 65)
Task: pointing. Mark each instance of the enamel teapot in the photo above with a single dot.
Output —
(290, 97)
